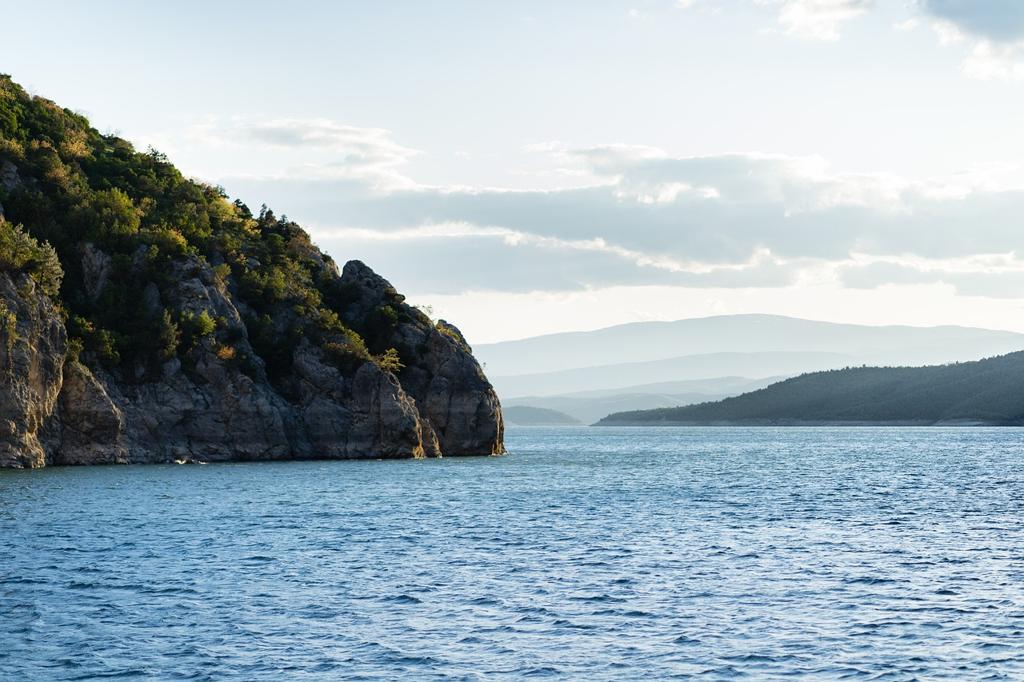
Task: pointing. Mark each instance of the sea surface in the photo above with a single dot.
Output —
(586, 553)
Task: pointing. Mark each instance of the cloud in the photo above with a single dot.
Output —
(503, 260)
(739, 220)
(343, 151)
(993, 29)
(987, 61)
(814, 19)
(998, 21)
(817, 19)
(365, 145)
(989, 282)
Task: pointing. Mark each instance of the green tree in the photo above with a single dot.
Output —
(110, 213)
(389, 361)
(19, 252)
(168, 337)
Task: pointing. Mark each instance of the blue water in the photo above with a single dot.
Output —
(587, 553)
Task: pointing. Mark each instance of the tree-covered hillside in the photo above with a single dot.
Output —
(68, 192)
(987, 391)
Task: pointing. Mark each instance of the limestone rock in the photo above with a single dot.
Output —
(33, 343)
(61, 412)
(88, 428)
(9, 179)
(440, 373)
(367, 415)
(95, 269)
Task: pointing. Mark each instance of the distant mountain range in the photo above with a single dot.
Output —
(588, 375)
(686, 368)
(522, 415)
(645, 341)
(987, 392)
(589, 406)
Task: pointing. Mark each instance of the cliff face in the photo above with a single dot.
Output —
(441, 375)
(55, 411)
(32, 347)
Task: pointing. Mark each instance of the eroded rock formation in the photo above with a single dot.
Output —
(55, 411)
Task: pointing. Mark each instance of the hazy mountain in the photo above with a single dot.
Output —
(590, 406)
(645, 341)
(522, 415)
(732, 385)
(983, 392)
(708, 366)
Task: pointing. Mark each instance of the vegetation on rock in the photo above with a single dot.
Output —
(67, 185)
(20, 253)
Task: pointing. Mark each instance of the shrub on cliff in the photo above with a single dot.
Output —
(20, 253)
(390, 361)
(74, 185)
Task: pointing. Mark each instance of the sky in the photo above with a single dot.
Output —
(533, 167)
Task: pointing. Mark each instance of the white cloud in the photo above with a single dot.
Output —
(989, 61)
(907, 24)
(703, 6)
(817, 19)
(342, 151)
(814, 19)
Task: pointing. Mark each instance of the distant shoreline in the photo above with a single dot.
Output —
(813, 423)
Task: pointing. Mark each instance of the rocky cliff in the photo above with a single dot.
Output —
(33, 343)
(146, 318)
(57, 411)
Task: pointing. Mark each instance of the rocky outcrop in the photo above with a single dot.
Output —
(364, 415)
(440, 372)
(87, 427)
(33, 343)
(9, 179)
(218, 413)
(59, 412)
(95, 270)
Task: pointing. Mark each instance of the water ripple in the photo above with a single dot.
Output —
(875, 554)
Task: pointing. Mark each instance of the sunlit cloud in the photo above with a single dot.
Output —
(817, 19)
(348, 152)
